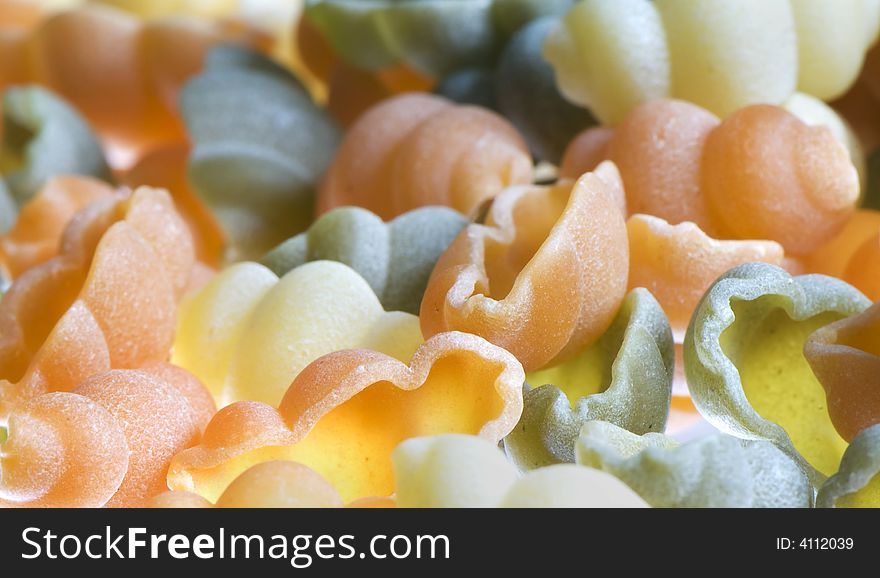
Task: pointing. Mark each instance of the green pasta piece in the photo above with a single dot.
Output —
(745, 366)
(511, 15)
(44, 136)
(857, 482)
(396, 258)
(433, 36)
(470, 86)
(625, 378)
(260, 146)
(718, 471)
(8, 208)
(526, 93)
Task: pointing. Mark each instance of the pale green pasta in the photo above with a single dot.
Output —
(857, 482)
(715, 471)
(625, 378)
(746, 371)
(434, 36)
(396, 258)
(8, 208)
(44, 136)
(260, 146)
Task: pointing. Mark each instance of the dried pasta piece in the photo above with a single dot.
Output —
(108, 443)
(44, 137)
(172, 499)
(571, 486)
(857, 483)
(612, 55)
(433, 36)
(511, 16)
(186, 384)
(275, 484)
(585, 152)
(717, 471)
(833, 257)
(396, 258)
(158, 422)
(678, 263)
(624, 378)
(419, 149)
(761, 173)
(347, 89)
(106, 301)
(62, 450)
(658, 149)
(863, 269)
(832, 41)
(726, 56)
(474, 86)
(845, 357)
(814, 112)
(319, 59)
(461, 471)
(343, 415)
(745, 365)
(279, 484)
(270, 24)
(36, 236)
(8, 209)
(255, 165)
(122, 74)
(166, 168)
(800, 203)
(521, 86)
(247, 334)
(450, 471)
(525, 92)
(352, 92)
(543, 277)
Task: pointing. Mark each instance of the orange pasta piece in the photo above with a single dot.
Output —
(845, 356)
(418, 149)
(767, 175)
(275, 484)
(345, 412)
(63, 450)
(585, 152)
(166, 168)
(314, 51)
(543, 277)
(352, 92)
(157, 420)
(833, 257)
(761, 173)
(19, 14)
(108, 443)
(863, 269)
(106, 301)
(36, 236)
(122, 74)
(278, 485)
(678, 263)
(658, 150)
